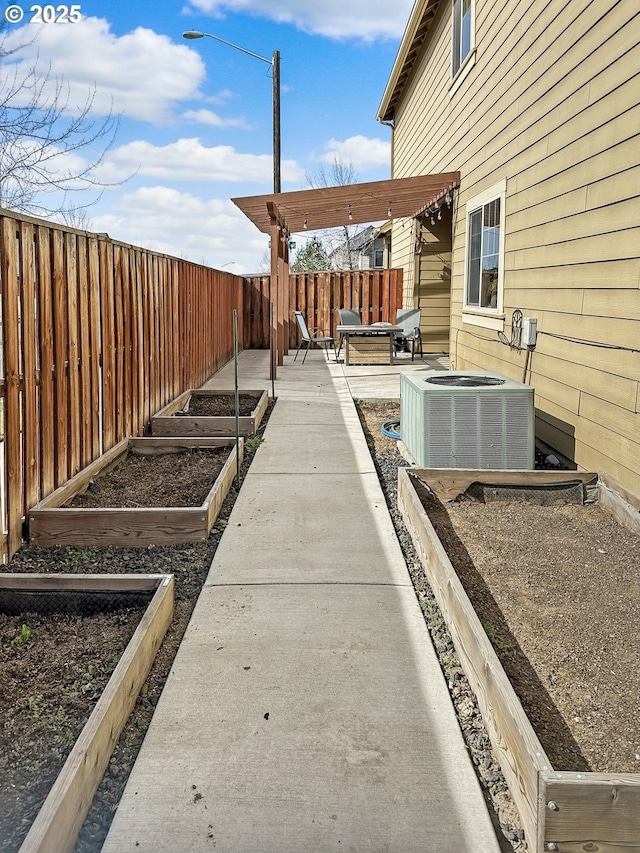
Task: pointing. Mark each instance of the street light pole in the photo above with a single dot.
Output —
(275, 66)
(276, 120)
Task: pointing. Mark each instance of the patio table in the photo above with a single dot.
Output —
(373, 348)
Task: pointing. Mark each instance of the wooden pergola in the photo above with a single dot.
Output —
(283, 214)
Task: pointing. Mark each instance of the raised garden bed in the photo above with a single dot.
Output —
(59, 819)
(497, 543)
(118, 499)
(210, 412)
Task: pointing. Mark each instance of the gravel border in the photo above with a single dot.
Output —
(494, 787)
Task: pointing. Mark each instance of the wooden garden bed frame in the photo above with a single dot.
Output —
(167, 422)
(52, 523)
(60, 819)
(560, 811)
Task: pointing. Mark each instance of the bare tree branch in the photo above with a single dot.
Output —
(340, 244)
(43, 140)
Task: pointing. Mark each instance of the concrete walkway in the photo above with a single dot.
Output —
(305, 710)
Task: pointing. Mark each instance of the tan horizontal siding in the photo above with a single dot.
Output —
(614, 274)
(521, 79)
(573, 358)
(481, 350)
(526, 230)
(579, 365)
(592, 459)
(615, 331)
(598, 303)
(612, 303)
(551, 106)
(613, 418)
(612, 246)
(540, 202)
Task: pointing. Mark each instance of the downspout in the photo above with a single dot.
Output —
(393, 127)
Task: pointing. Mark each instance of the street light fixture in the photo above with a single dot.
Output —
(275, 65)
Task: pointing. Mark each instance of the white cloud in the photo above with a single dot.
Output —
(212, 119)
(190, 160)
(142, 74)
(214, 232)
(367, 20)
(359, 151)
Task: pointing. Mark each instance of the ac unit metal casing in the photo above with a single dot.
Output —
(467, 419)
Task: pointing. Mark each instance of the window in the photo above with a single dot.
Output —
(485, 241)
(462, 33)
(378, 259)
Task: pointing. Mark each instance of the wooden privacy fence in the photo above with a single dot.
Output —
(96, 337)
(377, 293)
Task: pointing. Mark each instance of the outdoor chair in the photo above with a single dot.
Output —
(313, 338)
(348, 317)
(409, 319)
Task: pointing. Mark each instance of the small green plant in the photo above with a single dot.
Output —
(59, 724)
(501, 644)
(358, 401)
(34, 705)
(253, 442)
(80, 557)
(85, 681)
(23, 637)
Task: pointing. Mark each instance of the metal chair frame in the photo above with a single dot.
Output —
(409, 318)
(313, 338)
(348, 317)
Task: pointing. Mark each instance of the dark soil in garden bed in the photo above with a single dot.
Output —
(189, 563)
(53, 669)
(156, 480)
(558, 592)
(223, 405)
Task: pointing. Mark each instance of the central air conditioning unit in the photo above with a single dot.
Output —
(471, 419)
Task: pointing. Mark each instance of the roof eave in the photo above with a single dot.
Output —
(414, 37)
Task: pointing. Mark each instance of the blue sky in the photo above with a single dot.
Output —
(195, 123)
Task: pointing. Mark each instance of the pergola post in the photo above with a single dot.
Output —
(279, 288)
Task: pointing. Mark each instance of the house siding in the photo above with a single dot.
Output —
(551, 106)
(433, 286)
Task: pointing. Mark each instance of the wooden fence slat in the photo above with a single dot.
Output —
(119, 342)
(47, 392)
(176, 339)
(12, 426)
(107, 324)
(318, 295)
(93, 285)
(75, 420)
(84, 352)
(128, 334)
(31, 420)
(60, 330)
(146, 315)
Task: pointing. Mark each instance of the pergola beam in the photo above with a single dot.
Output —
(283, 214)
(329, 207)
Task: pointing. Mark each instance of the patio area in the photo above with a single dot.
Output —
(364, 381)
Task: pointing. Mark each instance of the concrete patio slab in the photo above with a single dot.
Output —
(304, 719)
(300, 529)
(311, 448)
(318, 412)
